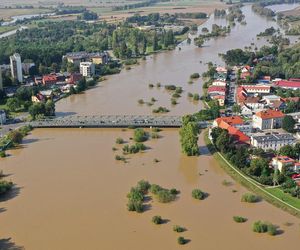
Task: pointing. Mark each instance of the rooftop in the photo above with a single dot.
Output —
(289, 84)
(270, 114)
(284, 159)
(230, 120)
(272, 137)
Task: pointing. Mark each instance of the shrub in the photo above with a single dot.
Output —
(196, 97)
(153, 99)
(5, 186)
(178, 229)
(272, 230)
(190, 82)
(181, 240)
(140, 135)
(173, 101)
(176, 95)
(160, 110)
(119, 158)
(154, 135)
(143, 186)
(170, 87)
(15, 136)
(157, 220)
(259, 227)
(194, 76)
(165, 196)
(114, 149)
(150, 85)
(154, 189)
(135, 206)
(251, 198)
(119, 140)
(174, 191)
(2, 154)
(141, 101)
(198, 194)
(155, 160)
(154, 129)
(135, 194)
(190, 95)
(158, 85)
(239, 219)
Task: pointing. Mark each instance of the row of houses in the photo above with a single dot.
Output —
(218, 88)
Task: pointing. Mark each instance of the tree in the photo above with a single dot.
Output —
(236, 108)
(288, 150)
(223, 141)
(155, 42)
(257, 166)
(37, 109)
(13, 104)
(50, 108)
(288, 124)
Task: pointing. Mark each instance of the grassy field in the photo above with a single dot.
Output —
(4, 29)
(273, 195)
(7, 13)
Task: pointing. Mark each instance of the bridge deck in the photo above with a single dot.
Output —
(109, 121)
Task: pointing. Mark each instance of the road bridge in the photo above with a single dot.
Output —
(111, 121)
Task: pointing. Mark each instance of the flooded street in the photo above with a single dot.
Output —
(71, 192)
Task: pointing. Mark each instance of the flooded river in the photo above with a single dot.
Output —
(71, 192)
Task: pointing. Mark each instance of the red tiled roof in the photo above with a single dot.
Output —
(269, 114)
(218, 97)
(284, 159)
(256, 87)
(289, 84)
(49, 78)
(216, 88)
(230, 120)
(237, 134)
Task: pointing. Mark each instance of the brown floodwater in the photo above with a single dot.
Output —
(71, 192)
(73, 196)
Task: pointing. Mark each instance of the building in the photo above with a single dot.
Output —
(216, 90)
(268, 119)
(16, 67)
(283, 162)
(87, 69)
(74, 78)
(220, 99)
(288, 84)
(2, 117)
(233, 125)
(257, 89)
(219, 83)
(272, 141)
(38, 98)
(49, 79)
(77, 57)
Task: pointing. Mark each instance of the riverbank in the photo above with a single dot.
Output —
(271, 194)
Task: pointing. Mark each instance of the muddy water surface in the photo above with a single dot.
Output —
(72, 193)
(73, 196)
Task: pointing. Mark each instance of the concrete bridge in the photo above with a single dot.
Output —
(112, 121)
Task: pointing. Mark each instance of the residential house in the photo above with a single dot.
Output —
(257, 89)
(220, 99)
(38, 98)
(49, 79)
(216, 90)
(272, 141)
(288, 84)
(285, 163)
(233, 124)
(74, 78)
(219, 83)
(268, 119)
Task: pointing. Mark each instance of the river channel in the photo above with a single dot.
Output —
(71, 192)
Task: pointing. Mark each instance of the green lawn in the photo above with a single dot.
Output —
(266, 193)
(285, 197)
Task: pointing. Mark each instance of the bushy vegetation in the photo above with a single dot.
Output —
(181, 240)
(194, 76)
(157, 219)
(250, 198)
(140, 135)
(239, 219)
(264, 227)
(198, 194)
(5, 186)
(178, 229)
(133, 149)
(120, 140)
(160, 110)
(189, 136)
(163, 195)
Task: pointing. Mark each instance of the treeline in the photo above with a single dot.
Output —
(189, 136)
(235, 13)
(267, 32)
(153, 19)
(260, 9)
(258, 168)
(88, 16)
(219, 13)
(66, 10)
(138, 5)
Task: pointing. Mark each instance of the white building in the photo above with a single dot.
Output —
(16, 67)
(87, 69)
(272, 141)
(268, 119)
(219, 83)
(2, 117)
